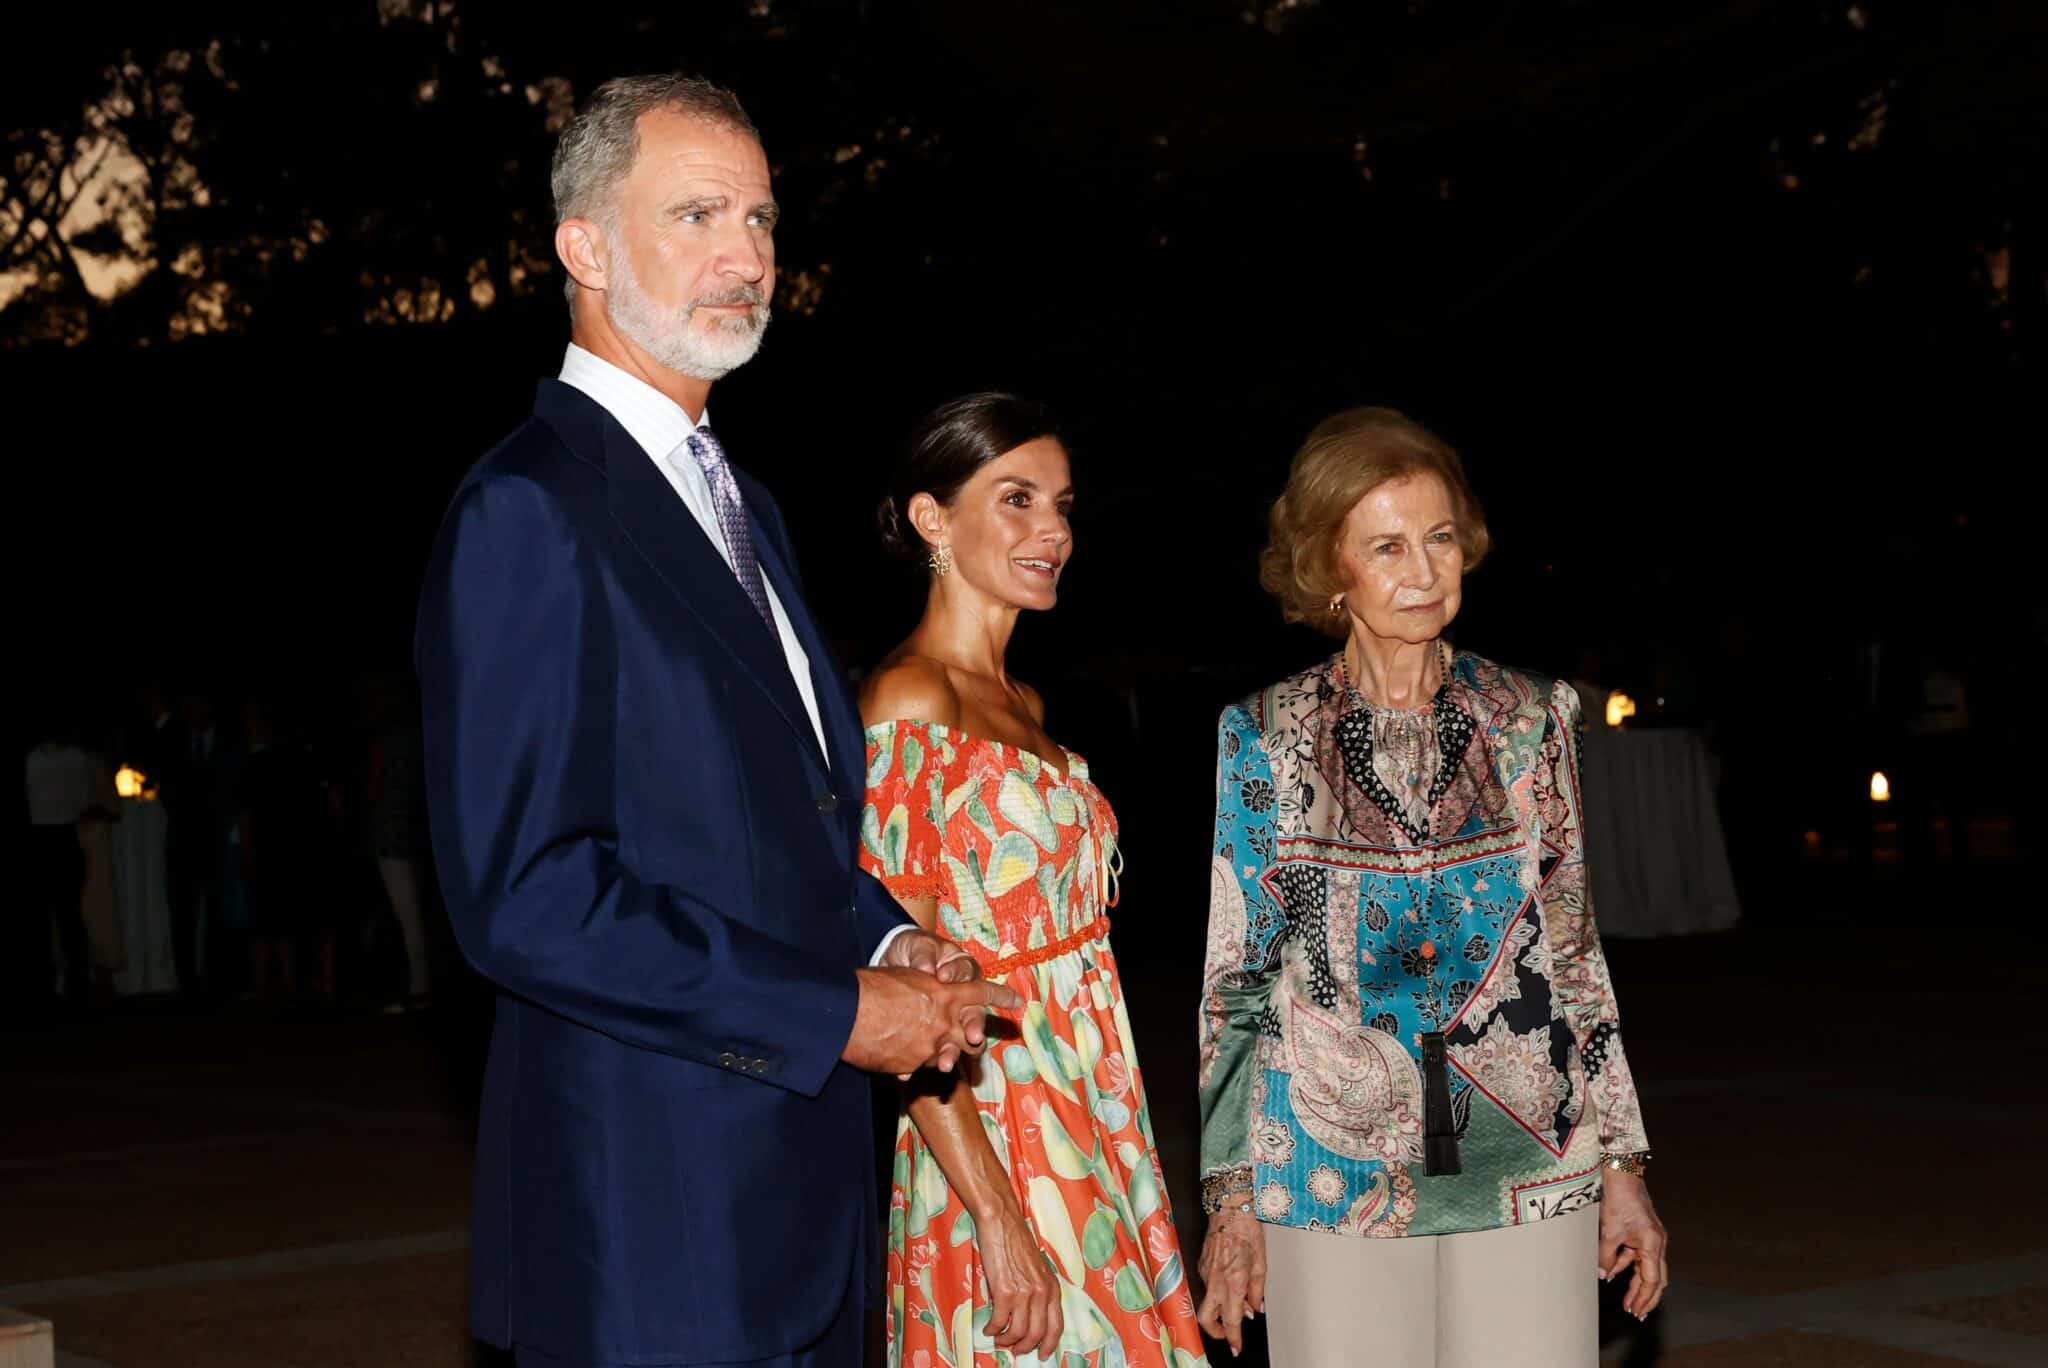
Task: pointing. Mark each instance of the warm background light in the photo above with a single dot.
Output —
(129, 782)
(1880, 788)
(1619, 706)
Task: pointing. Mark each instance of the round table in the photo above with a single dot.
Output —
(1654, 847)
(142, 899)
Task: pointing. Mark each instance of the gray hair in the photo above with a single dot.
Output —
(597, 148)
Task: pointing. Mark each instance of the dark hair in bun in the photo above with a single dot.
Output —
(947, 446)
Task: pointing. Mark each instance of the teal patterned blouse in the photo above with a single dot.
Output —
(1383, 975)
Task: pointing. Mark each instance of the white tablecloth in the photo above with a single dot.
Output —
(1653, 837)
(142, 899)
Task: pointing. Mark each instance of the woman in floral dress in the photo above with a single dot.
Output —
(1028, 1221)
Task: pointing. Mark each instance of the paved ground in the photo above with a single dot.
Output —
(1844, 1117)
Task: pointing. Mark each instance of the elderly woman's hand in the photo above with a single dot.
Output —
(1233, 1275)
(1631, 1234)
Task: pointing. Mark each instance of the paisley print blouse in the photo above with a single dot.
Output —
(1353, 955)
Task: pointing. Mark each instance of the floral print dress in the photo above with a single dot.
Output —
(1021, 860)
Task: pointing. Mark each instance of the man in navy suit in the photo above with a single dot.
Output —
(644, 780)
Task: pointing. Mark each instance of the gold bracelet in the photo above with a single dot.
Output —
(1219, 1188)
(1635, 1163)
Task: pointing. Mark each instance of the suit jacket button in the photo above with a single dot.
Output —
(828, 803)
(726, 1060)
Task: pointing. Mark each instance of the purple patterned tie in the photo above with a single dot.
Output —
(732, 517)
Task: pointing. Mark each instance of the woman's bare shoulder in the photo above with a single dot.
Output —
(911, 687)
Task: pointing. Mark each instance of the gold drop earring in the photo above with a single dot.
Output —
(941, 560)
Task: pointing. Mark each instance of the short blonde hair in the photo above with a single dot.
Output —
(1349, 455)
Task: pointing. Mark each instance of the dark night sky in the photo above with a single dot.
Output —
(1687, 392)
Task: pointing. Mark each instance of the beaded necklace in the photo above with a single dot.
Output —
(1405, 753)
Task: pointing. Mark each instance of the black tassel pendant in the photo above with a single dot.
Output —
(1439, 1131)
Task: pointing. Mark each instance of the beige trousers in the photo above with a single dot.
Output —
(1520, 1297)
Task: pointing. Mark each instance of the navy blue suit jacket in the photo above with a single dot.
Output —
(643, 848)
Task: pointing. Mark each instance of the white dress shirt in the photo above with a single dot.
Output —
(660, 425)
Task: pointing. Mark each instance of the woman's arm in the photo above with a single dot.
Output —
(1579, 977)
(1246, 927)
(1025, 1297)
(1630, 1232)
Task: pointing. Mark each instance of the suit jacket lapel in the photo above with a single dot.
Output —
(661, 528)
(846, 755)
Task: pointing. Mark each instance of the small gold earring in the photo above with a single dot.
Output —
(1336, 605)
(940, 560)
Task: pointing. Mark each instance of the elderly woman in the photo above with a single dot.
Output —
(1419, 1134)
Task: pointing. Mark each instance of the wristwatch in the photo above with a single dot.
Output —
(1635, 1163)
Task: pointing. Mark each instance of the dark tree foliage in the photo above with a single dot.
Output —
(1685, 280)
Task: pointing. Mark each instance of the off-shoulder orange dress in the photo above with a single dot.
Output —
(1021, 858)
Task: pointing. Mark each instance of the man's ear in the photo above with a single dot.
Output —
(580, 243)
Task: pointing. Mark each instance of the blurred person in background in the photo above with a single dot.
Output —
(105, 946)
(188, 781)
(396, 789)
(61, 784)
(1935, 781)
(147, 742)
(287, 815)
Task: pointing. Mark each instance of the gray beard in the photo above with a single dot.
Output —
(669, 339)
